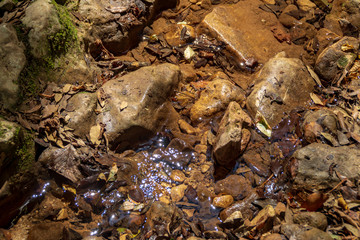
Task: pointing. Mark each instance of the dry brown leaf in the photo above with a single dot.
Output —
(49, 110)
(314, 201)
(316, 99)
(95, 134)
(66, 88)
(58, 97)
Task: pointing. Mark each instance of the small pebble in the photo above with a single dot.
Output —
(177, 176)
(223, 201)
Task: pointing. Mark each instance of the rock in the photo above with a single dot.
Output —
(223, 201)
(215, 98)
(228, 138)
(251, 42)
(285, 17)
(177, 176)
(42, 18)
(63, 161)
(117, 28)
(280, 86)
(313, 163)
(143, 92)
(264, 219)
(256, 163)
(45, 231)
(306, 5)
(333, 60)
(325, 38)
(17, 150)
(161, 214)
(314, 234)
(178, 192)
(273, 236)
(234, 220)
(292, 230)
(12, 62)
(314, 219)
(82, 116)
(6, 6)
(234, 185)
(49, 207)
(241, 206)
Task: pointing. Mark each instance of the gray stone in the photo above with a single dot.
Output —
(133, 107)
(314, 219)
(12, 62)
(83, 116)
(313, 163)
(215, 98)
(314, 234)
(228, 139)
(280, 86)
(333, 60)
(42, 19)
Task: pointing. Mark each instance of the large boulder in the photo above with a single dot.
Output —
(132, 109)
(251, 42)
(314, 161)
(280, 86)
(336, 57)
(12, 62)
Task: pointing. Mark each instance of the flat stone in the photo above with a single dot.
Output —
(280, 86)
(215, 98)
(333, 60)
(314, 219)
(314, 161)
(12, 62)
(251, 41)
(228, 139)
(82, 118)
(143, 92)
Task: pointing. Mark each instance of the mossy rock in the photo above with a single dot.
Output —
(17, 150)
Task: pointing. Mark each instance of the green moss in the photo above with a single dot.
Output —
(25, 151)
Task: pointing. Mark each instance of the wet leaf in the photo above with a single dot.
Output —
(342, 203)
(314, 201)
(69, 188)
(101, 177)
(330, 138)
(263, 125)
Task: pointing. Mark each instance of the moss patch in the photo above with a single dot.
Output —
(25, 151)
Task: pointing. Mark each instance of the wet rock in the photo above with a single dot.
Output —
(63, 161)
(178, 192)
(177, 176)
(285, 17)
(333, 59)
(313, 163)
(250, 42)
(325, 38)
(115, 25)
(12, 62)
(234, 220)
(161, 215)
(223, 201)
(49, 207)
(215, 98)
(256, 163)
(314, 234)
(241, 206)
(215, 235)
(234, 185)
(178, 154)
(281, 85)
(82, 116)
(314, 219)
(141, 93)
(228, 139)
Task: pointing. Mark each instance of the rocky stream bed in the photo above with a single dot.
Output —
(179, 119)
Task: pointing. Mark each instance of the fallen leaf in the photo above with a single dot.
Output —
(66, 88)
(95, 132)
(316, 99)
(113, 171)
(314, 201)
(49, 110)
(58, 97)
(189, 53)
(262, 124)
